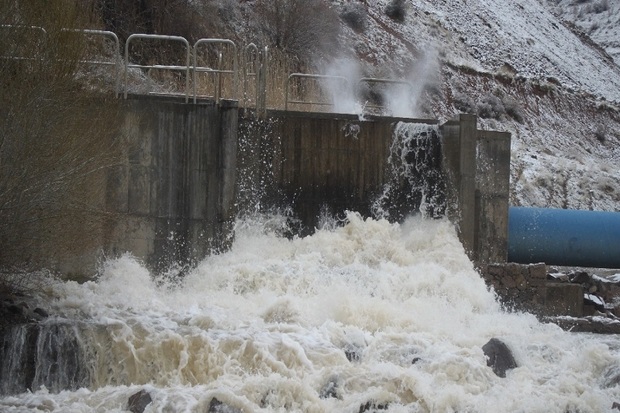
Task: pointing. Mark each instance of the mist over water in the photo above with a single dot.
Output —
(350, 93)
(369, 311)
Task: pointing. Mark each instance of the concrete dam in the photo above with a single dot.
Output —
(189, 169)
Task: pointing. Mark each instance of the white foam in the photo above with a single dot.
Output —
(267, 325)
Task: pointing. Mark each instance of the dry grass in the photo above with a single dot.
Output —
(56, 138)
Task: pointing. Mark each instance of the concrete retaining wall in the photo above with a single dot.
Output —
(186, 169)
(174, 192)
(525, 287)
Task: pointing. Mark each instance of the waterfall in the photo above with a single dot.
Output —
(416, 182)
(46, 354)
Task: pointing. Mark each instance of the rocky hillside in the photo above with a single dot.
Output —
(520, 68)
(600, 19)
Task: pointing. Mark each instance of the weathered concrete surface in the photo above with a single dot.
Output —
(186, 169)
(459, 149)
(564, 300)
(174, 193)
(477, 164)
(491, 201)
(522, 287)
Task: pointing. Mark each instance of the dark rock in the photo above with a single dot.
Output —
(217, 406)
(330, 390)
(353, 354)
(138, 401)
(580, 277)
(15, 310)
(415, 360)
(616, 405)
(373, 406)
(41, 312)
(499, 357)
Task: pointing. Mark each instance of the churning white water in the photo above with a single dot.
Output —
(367, 314)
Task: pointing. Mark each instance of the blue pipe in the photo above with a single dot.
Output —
(564, 237)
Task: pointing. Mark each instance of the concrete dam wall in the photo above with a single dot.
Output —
(187, 171)
(320, 165)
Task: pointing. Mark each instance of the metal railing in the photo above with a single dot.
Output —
(39, 30)
(382, 81)
(254, 65)
(115, 61)
(308, 76)
(179, 39)
(219, 71)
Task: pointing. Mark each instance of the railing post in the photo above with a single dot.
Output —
(218, 71)
(185, 68)
(261, 85)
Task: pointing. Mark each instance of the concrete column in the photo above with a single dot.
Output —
(491, 203)
(459, 138)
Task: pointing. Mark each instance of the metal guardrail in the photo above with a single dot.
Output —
(384, 81)
(115, 58)
(219, 71)
(251, 58)
(254, 64)
(308, 76)
(40, 30)
(185, 68)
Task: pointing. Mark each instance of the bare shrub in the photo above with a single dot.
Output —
(355, 16)
(601, 133)
(396, 10)
(464, 103)
(171, 17)
(491, 107)
(56, 136)
(601, 6)
(513, 109)
(303, 28)
(186, 18)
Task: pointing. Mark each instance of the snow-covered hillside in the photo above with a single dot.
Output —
(600, 19)
(522, 69)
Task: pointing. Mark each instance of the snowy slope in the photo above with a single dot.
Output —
(600, 19)
(521, 69)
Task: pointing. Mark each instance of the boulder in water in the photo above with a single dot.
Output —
(138, 401)
(499, 357)
(217, 406)
(373, 406)
(330, 390)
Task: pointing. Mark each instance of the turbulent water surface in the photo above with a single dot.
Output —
(365, 314)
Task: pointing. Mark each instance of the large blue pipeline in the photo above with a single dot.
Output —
(564, 237)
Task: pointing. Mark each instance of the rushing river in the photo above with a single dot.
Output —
(361, 315)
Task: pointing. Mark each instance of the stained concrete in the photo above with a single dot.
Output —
(174, 192)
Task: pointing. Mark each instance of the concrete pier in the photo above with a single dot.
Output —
(174, 193)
